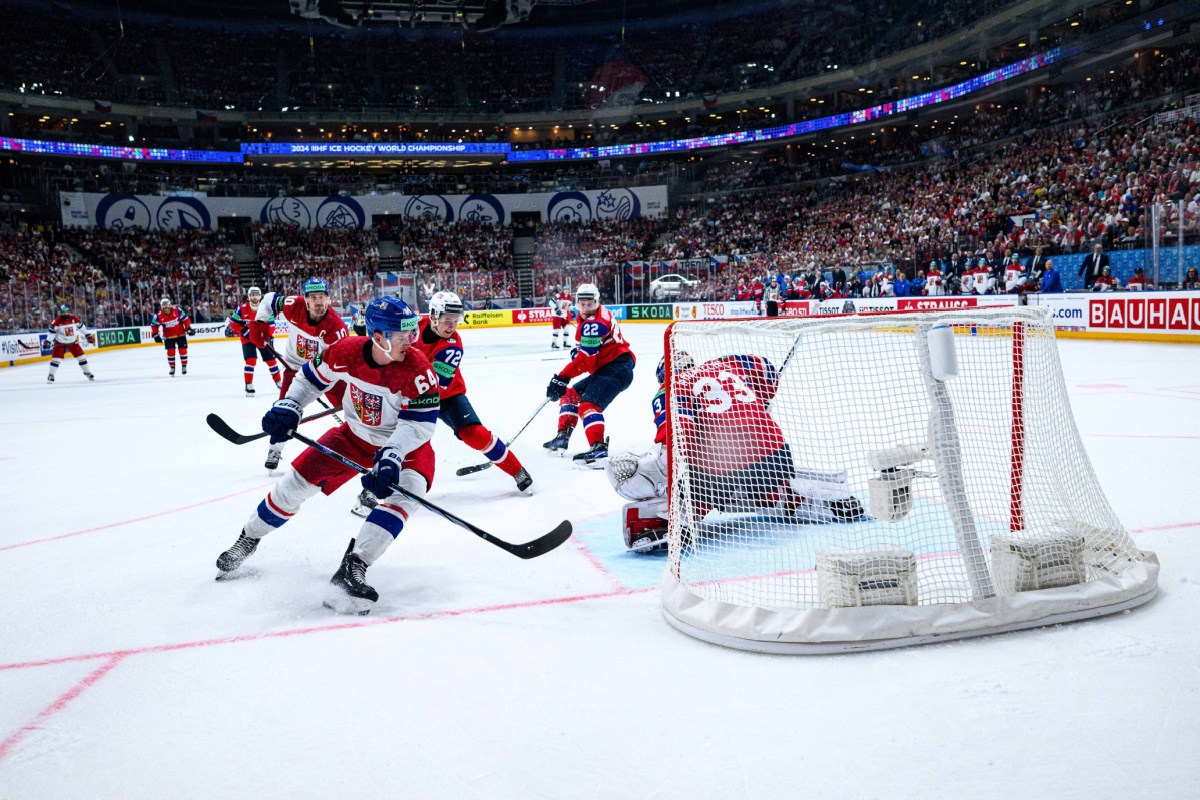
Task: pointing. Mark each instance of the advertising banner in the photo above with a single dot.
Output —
(501, 318)
(173, 212)
(531, 316)
(1128, 314)
(112, 337)
(659, 312)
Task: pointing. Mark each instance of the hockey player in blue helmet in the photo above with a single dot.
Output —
(391, 403)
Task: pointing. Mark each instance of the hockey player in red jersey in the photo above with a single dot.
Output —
(605, 355)
(440, 342)
(171, 327)
(312, 327)
(239, 325)
(391, 401)
(734, 449)
(69, 335)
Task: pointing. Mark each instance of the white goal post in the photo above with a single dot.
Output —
(859, 482)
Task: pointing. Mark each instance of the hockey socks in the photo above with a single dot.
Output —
(568, 410)
(249, 370)
(483, 440)
(280, 505)
(593, 422)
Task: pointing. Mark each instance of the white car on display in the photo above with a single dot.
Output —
(670, 286)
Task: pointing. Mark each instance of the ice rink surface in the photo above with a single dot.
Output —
(127, 671)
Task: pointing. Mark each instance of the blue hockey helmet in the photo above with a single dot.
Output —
(315, 285)
(389, 315)
(64, 308)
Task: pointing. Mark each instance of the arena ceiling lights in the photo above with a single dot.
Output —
(356, 150)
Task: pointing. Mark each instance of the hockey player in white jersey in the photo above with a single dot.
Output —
(69, 335)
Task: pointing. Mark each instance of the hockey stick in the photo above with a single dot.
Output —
(229, 434)
(271, 349)
(480, 467)
(537, 547)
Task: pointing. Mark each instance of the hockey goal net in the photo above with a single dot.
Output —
(869, 481)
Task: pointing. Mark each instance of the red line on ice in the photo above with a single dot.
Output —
(138, 519)
(1167, 527)
(595, 562)
(364, 623)
(7, 746)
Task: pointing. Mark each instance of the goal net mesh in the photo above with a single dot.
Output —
(890, 460)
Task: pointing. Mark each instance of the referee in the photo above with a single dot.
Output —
(773, 297)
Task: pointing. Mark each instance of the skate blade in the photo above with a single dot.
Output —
(238, 574)
(341, 603)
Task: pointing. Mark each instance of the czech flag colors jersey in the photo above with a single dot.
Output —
(173, 322)
(304, 342)
(395, 404)
(241, 318)
(722, 413)
(600, 343)
(444, 355)
(67, 329)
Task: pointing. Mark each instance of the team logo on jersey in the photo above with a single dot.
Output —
(341, 213)
(120, 212)
(286, 211)
(182, 213)
(483, 208)
(368, 407)
(306, 348)
(429, 206)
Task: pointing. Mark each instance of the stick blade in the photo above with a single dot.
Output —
(464, 471)
(544, 544)
(222, 429)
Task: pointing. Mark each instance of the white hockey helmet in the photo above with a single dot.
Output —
(587, 291)
(444, 303)
(254, 290)
(166, 301)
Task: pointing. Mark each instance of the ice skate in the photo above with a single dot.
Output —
(231, 559)
(350, 593)
(249, 390)
(524, 481)
(594, 457)
(272, 462)
(558, 445)
(184, 368)
(49, 379)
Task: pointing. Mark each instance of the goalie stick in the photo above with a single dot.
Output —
(481, 467)
(223, 430)
(532, 549)
(271, 349)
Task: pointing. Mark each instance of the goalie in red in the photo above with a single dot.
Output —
(736, 455)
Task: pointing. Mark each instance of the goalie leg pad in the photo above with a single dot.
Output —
(645, 526)
(637, 476)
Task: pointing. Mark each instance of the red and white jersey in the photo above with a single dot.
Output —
(172, 321)
(563, 299)
(600, 343)
(444, 356)
(305, 341)
(67, 329)
(243, 316)
(721, 413)
(395, 404)
(933, 283)
(1136, 284)
(1104, 283)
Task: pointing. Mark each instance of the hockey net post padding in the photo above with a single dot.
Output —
(906, 478)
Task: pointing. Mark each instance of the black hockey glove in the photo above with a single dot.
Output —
(557, 388)
(158, 338)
